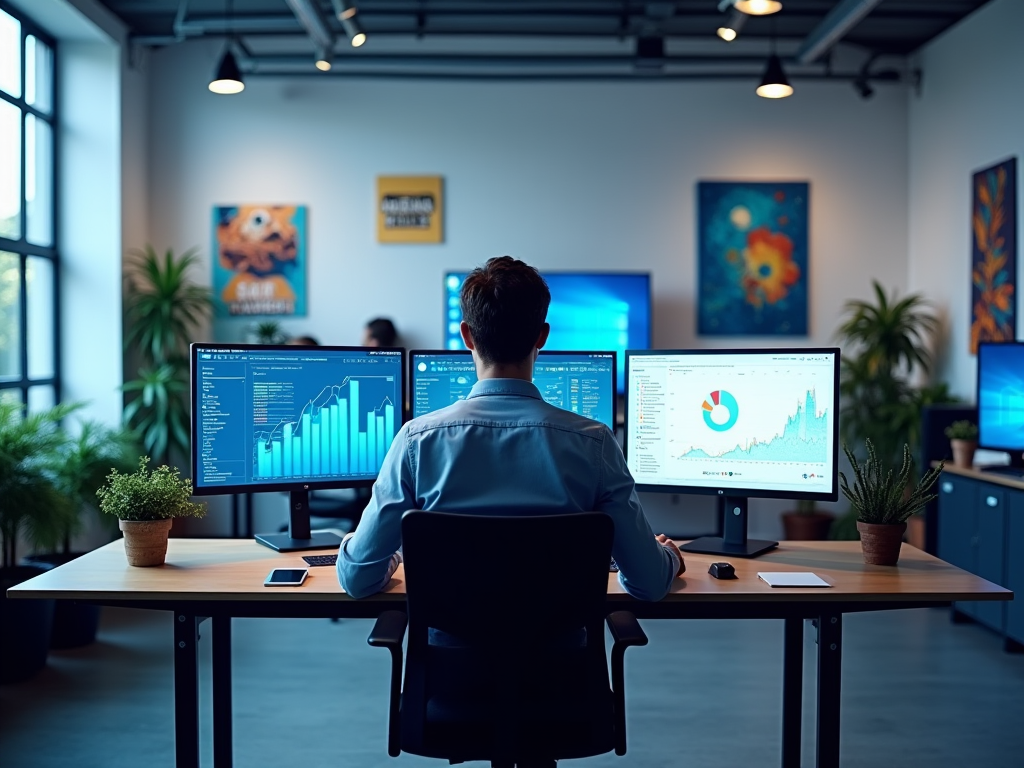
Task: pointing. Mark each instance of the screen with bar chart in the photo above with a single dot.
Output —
(734, 422)
(581, 382)
(286, 417)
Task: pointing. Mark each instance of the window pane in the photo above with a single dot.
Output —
(41, 398)
(10, 54)
(10, 170)
(39, 290)
(38, 74)
(38, 181)
(10, 316)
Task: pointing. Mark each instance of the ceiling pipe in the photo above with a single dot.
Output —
(833, 27)
(309, 16)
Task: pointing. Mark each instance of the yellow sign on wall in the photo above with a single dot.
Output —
(410, 209)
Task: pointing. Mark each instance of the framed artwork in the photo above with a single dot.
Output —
(260, 263)
(410, 209)
(994, 254)
(752, 258)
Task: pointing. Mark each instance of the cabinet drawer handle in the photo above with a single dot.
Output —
(947, 487)
(992, 501)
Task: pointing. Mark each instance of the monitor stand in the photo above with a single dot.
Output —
(299, 537)
(735, 542)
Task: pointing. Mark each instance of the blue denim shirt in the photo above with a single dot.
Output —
(504, 450)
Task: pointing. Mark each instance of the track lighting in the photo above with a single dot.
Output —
(354, 31)
(758, 7)
(344, 9)
(774, 84)
(229, 77)
(731, 28)
(323, 60)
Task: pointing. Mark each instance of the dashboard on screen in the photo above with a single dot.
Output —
(734, 422)
(581, 382)
(287, 417)
(607, 310)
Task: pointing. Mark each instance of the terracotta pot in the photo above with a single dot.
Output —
(881, 543)
(809, 526)
(963, 452)
(145, 541)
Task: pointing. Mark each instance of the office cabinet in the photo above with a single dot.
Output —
(991, 541)
(1015, 565)
(958, 521)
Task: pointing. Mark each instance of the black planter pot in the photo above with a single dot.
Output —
(25, 627)
(74, 623)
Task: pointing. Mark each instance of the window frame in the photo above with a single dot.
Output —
(20, 246)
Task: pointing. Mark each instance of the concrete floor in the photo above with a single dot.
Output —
(918, 691)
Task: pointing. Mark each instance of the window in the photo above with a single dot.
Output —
(29, 264)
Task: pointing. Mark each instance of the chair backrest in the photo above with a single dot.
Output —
(484, 578)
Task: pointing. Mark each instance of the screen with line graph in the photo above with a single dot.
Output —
(286, 417)
(735, 422)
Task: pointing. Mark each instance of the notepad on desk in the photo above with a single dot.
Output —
(792, 579)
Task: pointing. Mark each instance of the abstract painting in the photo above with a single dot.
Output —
(994, 254)
(752, 258)
(260, 262)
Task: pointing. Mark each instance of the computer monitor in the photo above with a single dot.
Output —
(1001, 400)
(735, 424)
(581, 382)
(589, 310)
(295, 419)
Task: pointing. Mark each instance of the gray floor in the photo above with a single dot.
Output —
(918, 691)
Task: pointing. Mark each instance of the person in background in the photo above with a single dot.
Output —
(303, 341)
(380, 332)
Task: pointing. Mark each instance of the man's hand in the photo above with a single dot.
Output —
(666, 541)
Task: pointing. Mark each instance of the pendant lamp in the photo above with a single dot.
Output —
(774, 84)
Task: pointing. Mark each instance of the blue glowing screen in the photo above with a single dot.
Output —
(1001, 396)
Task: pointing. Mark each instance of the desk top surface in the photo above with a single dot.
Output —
(977, 473)
(235, 569)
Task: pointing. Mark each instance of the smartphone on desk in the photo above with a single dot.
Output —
(286, 577)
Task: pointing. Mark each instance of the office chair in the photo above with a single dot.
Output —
(506, 652)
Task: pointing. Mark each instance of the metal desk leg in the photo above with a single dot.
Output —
(792, 691)
(830, 662)
(186, 690)
(222, 711)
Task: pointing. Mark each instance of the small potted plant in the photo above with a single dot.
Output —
(145, 502)
(963, 439)
(884, 502)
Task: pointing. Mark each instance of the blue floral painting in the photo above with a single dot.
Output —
(752, 258)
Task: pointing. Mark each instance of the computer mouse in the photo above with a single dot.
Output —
(722, 571)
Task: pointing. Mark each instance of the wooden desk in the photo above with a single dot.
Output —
(220, 579)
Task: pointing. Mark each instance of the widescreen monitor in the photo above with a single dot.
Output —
(1001, 399)
(291, 418)
(735, 424)
(589, 310)
(581, 382)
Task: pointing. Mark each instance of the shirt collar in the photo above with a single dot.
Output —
(516, 387)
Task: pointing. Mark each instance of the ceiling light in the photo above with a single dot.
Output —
(344, 9)
(731, 29)
(774, 84)
(354, 31)
(229, 77)
(758, 7)
(323, 61)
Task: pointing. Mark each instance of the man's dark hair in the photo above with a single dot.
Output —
(504, 302)
(303, 341)
(383, 330)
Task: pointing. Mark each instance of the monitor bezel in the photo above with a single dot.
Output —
(543, 353)
(560, 272)
(833, 495)
(313, 485)
(1014, 451)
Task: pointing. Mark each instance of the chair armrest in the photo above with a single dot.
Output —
(388, 632)
(626, 631)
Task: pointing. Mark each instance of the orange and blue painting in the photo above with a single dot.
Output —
(994, 254)
(752, 258)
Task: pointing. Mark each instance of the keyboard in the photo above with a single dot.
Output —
(321, 559)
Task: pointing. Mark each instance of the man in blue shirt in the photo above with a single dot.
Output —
(503, 450)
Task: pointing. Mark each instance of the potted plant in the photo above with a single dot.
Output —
(163, 309)
(806, 523)
(884, 501)
(145, 502)
(31, 506)
(268, 332)
(963, 439)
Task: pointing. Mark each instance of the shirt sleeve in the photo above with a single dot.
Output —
(646, 568)
(366, 559)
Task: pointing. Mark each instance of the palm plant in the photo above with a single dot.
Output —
(163, 309)
(269, 332)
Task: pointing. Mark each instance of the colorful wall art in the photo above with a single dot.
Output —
(260, 262)
(752, 258)
(410, 209)
(994, 254)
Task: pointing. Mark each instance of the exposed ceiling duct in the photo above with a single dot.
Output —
(840, 20)
(312, 20)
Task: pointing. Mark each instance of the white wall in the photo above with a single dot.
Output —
(968, 115)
